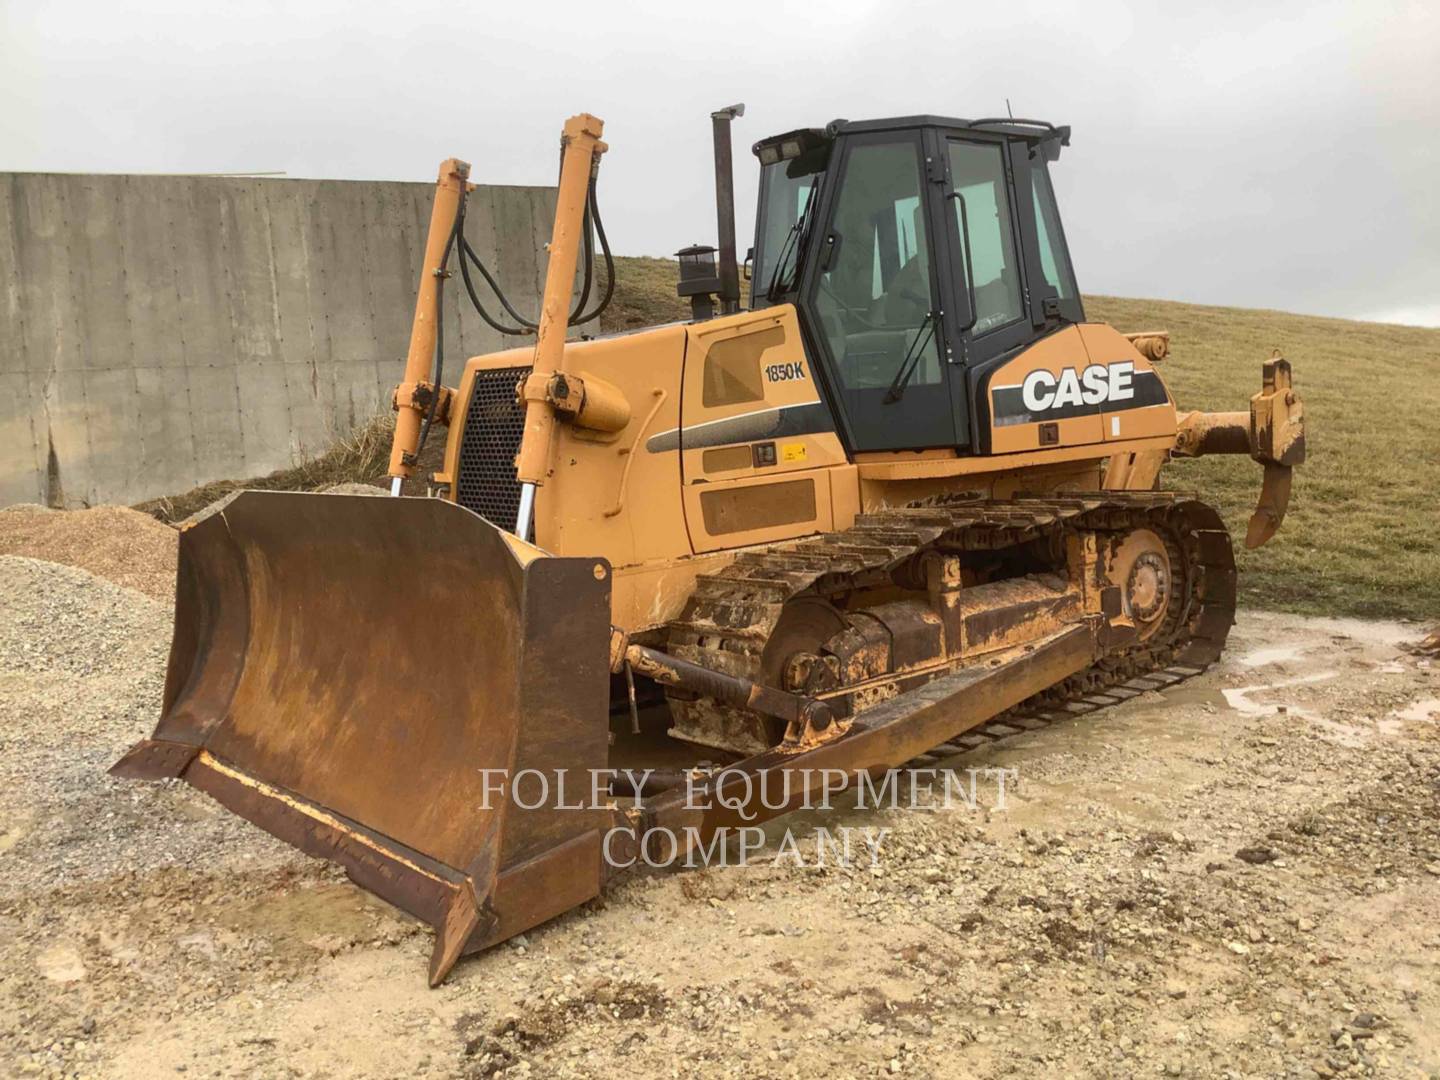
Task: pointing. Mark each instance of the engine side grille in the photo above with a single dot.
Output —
(494, 423)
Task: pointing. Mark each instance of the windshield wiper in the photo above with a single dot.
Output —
(790, 248)
(923, 333)
(772, 288)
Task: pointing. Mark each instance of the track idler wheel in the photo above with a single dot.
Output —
(1142, 569)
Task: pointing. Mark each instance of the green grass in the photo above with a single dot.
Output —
(1360, 538)
(644, 295)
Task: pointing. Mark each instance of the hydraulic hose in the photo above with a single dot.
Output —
(594, 212)
(468, 255)
(578, 315)
(587, 255)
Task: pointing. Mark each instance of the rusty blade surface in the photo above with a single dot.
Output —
(345, 669)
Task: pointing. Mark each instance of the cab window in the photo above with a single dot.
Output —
(1054, 259)
(977, 171)
(873, 297)
(787, 189)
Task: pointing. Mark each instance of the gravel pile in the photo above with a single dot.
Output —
(82, 672)
(115, 542)
(64, 620)
(225, 500)
(354, 489)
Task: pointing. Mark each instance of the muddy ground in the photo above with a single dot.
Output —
(1237, 877)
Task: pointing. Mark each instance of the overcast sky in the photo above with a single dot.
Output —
(1279, 155)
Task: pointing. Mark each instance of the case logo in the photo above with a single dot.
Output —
(1098, 383)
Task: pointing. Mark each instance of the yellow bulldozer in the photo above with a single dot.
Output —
(903, 500)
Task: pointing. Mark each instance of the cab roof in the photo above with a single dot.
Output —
(1036, 131)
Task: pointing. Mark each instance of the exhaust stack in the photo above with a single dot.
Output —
(725, 207)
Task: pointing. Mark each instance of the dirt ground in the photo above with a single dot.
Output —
(1237, 877)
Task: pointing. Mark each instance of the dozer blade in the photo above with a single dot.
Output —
(359, 675)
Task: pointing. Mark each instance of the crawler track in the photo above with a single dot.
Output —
(729, 618)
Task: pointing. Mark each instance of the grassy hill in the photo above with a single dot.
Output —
(1361, 536)
(645, 294)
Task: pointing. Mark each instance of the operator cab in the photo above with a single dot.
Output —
(920, 253)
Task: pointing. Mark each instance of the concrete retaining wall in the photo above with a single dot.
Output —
(162, 332)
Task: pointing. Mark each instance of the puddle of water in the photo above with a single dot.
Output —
(1422, 710)
(1389, 725)
(1275, 654)
(1345, 734)
(1193, 693)
(1390, 667)
(61, 963)
(1238, 698)
(1365, 631)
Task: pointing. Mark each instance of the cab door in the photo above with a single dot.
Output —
(871, 293)
(985, 266)
(1005, 260)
